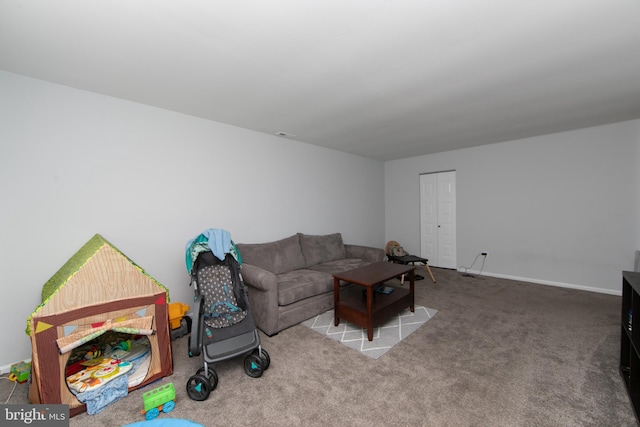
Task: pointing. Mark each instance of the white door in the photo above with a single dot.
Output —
(438, 218)
(429, 217)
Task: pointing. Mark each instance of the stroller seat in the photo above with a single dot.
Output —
(222, 322)
(223, 306)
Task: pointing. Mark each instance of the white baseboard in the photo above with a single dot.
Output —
(547, 282)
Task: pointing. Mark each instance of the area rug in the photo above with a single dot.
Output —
(384, 336)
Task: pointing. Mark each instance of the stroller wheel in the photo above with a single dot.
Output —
(198, 387)
(266, 360)
(253, 366)
(212, 376)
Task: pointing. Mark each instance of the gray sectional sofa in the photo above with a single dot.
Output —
(290, 280)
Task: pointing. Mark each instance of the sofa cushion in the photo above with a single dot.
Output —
(300, 284)
(277, 257)
(339, 265)
(321, 249)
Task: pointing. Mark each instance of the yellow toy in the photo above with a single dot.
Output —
(20, 372)
(177, 311)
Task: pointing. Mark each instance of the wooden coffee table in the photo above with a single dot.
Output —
(369, 310)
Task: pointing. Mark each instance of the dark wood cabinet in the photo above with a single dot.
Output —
(630, 337)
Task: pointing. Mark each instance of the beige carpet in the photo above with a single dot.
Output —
(498, 353)
(385, 336)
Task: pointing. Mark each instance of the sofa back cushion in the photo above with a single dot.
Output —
(320, 249)
(277, 257)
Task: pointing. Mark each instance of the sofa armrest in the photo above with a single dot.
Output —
(366, 253)
(263, 297)
(259, 278)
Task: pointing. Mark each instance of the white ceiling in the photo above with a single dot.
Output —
(384, 79)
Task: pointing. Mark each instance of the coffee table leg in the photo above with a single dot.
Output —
(336, 298)
(370, 313)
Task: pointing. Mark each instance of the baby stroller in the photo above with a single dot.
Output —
(222, 325)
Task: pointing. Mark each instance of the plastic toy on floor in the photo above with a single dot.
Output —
(179, 323)
(19, 372)
(161, 398)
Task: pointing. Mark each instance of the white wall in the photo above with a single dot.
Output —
(74, 163)
(561, 209)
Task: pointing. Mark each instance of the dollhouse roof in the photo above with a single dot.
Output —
(97, 273)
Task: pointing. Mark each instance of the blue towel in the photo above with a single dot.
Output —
(217, 240)
(98, 399)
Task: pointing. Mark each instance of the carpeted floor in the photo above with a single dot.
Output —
(498, 353)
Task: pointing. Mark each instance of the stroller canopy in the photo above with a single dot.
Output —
(215, 240)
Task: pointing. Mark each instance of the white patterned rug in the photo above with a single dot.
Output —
(384, 336)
